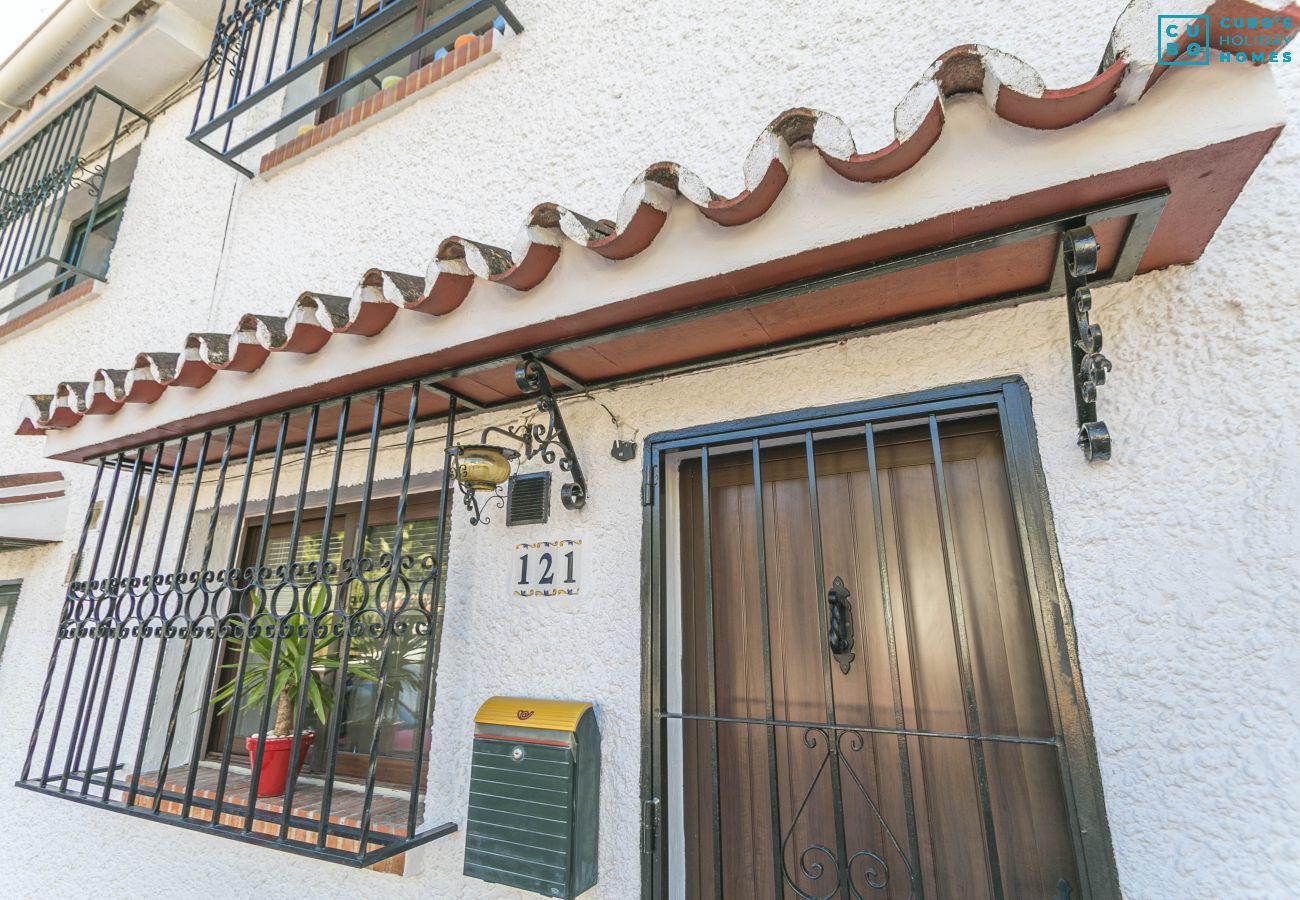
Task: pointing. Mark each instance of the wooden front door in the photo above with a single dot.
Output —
(858, 695)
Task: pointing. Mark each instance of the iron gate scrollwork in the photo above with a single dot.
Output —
(870, 867)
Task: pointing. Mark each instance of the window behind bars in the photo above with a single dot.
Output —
(278, 577)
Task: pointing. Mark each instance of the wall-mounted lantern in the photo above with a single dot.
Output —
(482, 468)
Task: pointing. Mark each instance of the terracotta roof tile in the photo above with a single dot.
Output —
(1009, 87)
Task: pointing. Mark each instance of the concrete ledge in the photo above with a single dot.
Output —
(61, 302)
(454, 65)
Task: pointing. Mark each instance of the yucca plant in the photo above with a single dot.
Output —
(286, 681)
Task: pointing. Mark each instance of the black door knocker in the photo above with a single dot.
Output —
(840, 633)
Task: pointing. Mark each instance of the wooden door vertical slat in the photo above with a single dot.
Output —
(774, 855)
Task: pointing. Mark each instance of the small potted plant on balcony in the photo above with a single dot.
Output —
(287, 679)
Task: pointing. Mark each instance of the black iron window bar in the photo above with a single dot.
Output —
(37, 179)
(482, 468)
(261, 47)
(176, 579)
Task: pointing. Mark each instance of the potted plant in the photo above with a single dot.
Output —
(287, 682)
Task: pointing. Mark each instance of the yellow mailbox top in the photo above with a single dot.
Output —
(522, 712)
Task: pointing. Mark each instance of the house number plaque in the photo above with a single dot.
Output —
(547, 569)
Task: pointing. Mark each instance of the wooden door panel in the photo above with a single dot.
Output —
(948, 812)
(789, 796)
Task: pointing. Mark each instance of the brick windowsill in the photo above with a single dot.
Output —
(389, 813)
(437, 73)
(73, 296)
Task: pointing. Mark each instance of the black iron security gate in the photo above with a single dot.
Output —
(861, 675)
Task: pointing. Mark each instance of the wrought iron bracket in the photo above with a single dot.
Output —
(549, 441)
(1079, 258)
(476, 504)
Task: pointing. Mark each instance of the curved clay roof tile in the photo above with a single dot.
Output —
(1012, 89)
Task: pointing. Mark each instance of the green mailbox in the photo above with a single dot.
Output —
(534, 796)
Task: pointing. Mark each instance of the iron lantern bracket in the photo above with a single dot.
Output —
(477, 505)
(551, 440)
(1079, 260)
(473, 502)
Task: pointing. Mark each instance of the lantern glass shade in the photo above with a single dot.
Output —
(482, 467)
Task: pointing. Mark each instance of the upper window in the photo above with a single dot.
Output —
(361, 55)
(61, 200)
(90, 242)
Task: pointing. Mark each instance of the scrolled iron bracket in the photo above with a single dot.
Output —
(551, 441)
(477, 505)
(1079, 255)
(83, 174)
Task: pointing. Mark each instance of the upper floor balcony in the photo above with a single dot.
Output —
(277, 68)
(62, 192)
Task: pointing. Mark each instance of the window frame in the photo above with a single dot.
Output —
(383, 511)
(159, 590)
(333, 71)
(79, 231)
(10, 605)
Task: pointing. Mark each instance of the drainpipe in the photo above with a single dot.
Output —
(65, 34)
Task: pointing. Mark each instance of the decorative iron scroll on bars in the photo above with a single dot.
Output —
(1079, 247)
(74, 151)
(863, 869)
(176, 596)
(261, 47)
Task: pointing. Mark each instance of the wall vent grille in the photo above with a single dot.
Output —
(530, 499)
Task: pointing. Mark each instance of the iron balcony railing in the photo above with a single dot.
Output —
(47, 181)
(280, 52)
(260, 578)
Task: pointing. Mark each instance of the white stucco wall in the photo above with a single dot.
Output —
(1180, 555)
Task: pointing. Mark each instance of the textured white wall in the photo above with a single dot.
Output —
(1180, 554)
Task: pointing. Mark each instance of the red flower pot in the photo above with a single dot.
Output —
(275, 760)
